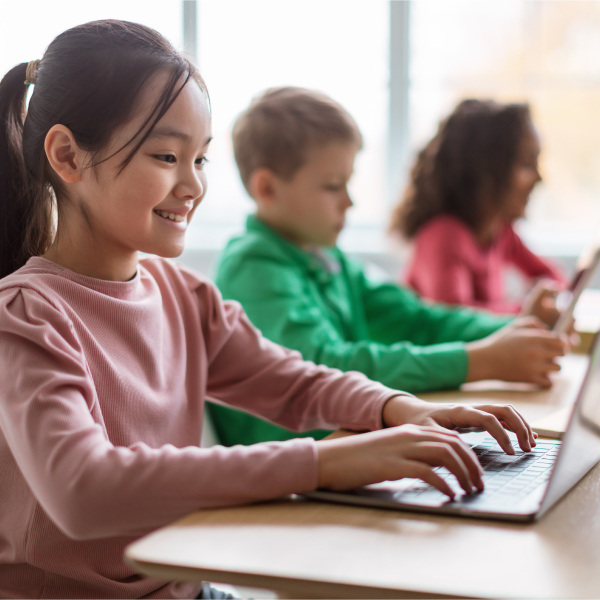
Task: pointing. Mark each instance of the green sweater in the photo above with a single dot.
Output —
(325, 307)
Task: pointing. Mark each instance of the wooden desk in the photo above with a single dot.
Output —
(308, 549)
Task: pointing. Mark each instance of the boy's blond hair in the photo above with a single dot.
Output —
(283, 125)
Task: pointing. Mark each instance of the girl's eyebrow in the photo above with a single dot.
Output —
(174, 133)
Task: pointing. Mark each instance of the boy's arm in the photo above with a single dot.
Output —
(278, 303)
(393, 312)
(250, 372)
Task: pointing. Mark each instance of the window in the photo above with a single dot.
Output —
(337, 47)
(28, 26)
(543, 52)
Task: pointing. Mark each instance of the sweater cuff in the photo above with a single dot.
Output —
(453, 356)
(444, 366)
(300, 472)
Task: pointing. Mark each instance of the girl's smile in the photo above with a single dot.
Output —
(114, 212)
(174, 217)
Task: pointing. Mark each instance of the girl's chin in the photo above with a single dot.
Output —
(166, 251)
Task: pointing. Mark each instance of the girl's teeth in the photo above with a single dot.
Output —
(171, 216)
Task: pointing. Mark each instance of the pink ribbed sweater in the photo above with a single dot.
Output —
(102, 386)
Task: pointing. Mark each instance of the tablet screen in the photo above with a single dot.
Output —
(586, 266)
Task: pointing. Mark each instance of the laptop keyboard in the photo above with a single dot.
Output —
(508, 478)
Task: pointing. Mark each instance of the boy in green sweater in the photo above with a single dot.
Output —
(295, 152)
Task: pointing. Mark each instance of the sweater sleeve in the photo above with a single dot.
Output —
(420, 347)
(395, 312)
(529, 263)
(248, 371)
(90, 487)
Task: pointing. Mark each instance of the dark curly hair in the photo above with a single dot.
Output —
(464, 170)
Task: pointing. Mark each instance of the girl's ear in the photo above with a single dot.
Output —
(64, 154)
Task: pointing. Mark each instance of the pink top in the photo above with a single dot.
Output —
(450, 265)
(102, 386)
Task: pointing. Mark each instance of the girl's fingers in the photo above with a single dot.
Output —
(551, 365)
(554, 346)
(436, 446)
(491, 424)
(465, 458)
(543, 381)
(467, 455)
(442, 455)
(514, 421)
(418, 470)
(528, 323)
(446, 449)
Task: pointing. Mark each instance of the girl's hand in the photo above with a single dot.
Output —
(405, 451)
(492, 418)
(523, 351)
(540, 302)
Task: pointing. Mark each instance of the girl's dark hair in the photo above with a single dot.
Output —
(88, 80)
(465, 169)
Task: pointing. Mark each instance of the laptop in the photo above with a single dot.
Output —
(518, 488)
(585, 268)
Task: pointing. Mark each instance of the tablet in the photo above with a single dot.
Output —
(584, 271)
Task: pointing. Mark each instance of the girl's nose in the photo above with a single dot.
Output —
(191, 185)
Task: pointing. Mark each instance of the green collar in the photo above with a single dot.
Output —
(288, 250)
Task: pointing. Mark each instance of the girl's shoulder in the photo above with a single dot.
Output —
(35, 278)
(56, 285)
(31, 296)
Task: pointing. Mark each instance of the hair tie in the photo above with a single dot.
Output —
(30, 74)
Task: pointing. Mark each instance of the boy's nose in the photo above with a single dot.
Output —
(348, 203)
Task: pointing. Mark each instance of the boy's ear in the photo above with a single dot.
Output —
(263, 186)
(64, 154)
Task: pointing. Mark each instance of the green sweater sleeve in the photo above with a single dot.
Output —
(405, 351)
(393, 312)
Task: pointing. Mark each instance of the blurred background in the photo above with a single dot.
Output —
(398, 66)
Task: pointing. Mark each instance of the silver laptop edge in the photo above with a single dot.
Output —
(580, 450)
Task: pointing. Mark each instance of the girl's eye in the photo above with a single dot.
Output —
(201, 161)
(168, 158)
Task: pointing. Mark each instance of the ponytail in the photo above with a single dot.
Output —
(25, 227)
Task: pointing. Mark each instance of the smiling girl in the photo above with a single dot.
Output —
(106, 358)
